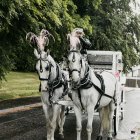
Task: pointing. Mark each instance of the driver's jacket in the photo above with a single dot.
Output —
(86, 44)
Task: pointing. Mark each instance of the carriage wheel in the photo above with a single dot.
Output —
(116, 120)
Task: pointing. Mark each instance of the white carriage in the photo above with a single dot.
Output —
(111, 61)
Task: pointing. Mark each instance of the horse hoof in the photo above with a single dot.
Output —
(109, 138)
(61, 137)
(99, 138)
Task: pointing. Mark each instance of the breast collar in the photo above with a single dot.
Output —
(85, 82)
(57, 82)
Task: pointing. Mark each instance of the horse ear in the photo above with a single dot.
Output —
(68, 36)
(48, 52)
(36, 53)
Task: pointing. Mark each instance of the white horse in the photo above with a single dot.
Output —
(87, 94)
(53, 86)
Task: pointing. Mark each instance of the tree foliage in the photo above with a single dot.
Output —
(110, 25)
(116, 28)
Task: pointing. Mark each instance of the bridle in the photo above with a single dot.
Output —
(57, 80)
(73, 60)
(48, 67)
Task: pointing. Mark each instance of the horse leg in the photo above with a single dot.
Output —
(106, 116)
(90, 111)
(56, 111)
(110, 115)
(45, 109)
(61, 121)
(78, 121)
(100, 136)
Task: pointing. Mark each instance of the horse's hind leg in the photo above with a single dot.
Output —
(90, 111)
(106, 117)
(78, 122)
(110, 115)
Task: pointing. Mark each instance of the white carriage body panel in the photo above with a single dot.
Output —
(105, 60)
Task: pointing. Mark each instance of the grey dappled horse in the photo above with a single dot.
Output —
(53, 84)
(87, 94)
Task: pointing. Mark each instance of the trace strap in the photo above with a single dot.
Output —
(102, 93)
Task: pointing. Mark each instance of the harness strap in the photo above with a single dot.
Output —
(102, 93)
(43, 79)
(58, 82)
(79, 95)
(100, 77)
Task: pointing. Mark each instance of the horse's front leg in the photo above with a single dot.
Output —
(78, 122)
(55, 114)
(100, 136)
(61, 121)
(48, 123)
(90, 111)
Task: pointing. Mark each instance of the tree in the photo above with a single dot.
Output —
(115, 28)
(19, 17)
(110, 25)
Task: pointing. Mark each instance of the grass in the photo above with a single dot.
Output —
(19, 85)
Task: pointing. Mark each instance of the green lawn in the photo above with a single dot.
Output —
(19, 85)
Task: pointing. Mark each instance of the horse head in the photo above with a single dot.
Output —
(75, 66)
(44, 66)
(39, 41)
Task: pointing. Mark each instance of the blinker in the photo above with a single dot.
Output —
(47, 68)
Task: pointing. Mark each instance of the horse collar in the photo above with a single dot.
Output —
(57, 82)
(85, 82)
